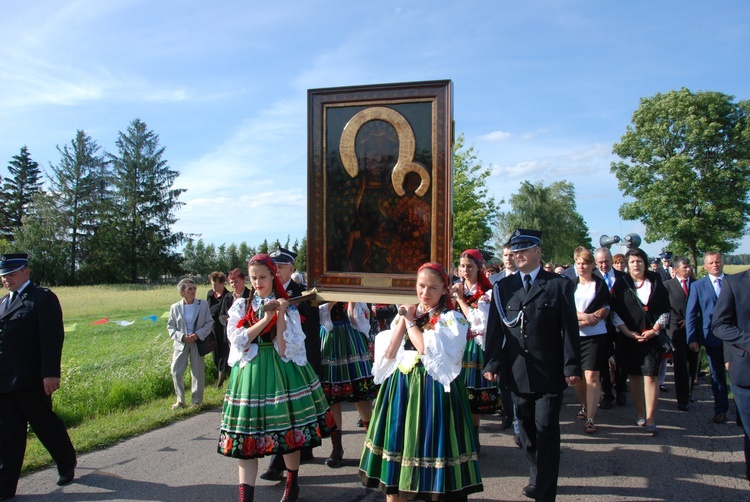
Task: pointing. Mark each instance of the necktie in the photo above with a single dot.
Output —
(684, 286)
(608, 280)
(717, 286)
(526, 283)
(11, 297)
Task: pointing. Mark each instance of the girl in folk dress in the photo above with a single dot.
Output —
(420, 444)
(473, 294)
(274, 402)
(347, 368)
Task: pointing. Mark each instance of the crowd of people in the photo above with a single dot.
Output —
(507, 338)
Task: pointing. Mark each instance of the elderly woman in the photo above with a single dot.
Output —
(592, 305)
(189, 321)
(641, 307)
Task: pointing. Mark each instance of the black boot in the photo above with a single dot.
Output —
(291, 489)
(337, 453)
(247, 493)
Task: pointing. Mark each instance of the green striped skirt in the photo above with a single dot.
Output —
(347, 367)
(420, 443)
(271, 407)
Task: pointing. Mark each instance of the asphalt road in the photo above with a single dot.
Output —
(692, 459)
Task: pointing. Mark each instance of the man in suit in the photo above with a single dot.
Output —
(678, 289)
(284, 260)
(605, 270)
(664, 270)
(31, 341)
(508, 263)
(731, 323)
(700, 309)
(533, 342)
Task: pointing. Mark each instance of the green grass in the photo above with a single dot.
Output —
(115, 379)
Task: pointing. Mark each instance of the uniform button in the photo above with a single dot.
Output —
(527, 351)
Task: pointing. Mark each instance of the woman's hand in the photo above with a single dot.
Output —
(458, 289)
(283, 305)
(407, 312)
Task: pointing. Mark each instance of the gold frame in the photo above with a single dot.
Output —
(421, 114)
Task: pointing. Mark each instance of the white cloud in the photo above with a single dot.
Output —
(497, 136)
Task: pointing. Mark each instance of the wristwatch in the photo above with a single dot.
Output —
(410, 325)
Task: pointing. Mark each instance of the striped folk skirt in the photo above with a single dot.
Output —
(420, 443)
(484, 396)
(347, 367)
(272, 407)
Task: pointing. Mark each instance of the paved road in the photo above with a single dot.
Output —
(691, 459)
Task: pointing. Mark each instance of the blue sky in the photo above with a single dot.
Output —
(542, 89)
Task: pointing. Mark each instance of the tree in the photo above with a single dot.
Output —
(76, 185)
(474, 210)
(687, 166)
(24, 181)
(145, 204)
(45, 239)
(552, 210)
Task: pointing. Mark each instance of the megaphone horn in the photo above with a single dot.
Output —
(632, 240)
(606, 241)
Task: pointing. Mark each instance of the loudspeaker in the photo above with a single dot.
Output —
(632, 240)
(606, 241)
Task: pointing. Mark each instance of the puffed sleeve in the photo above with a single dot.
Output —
(382, 368)
(477, 317)
(444, 347)
(294, 338)
(240, 348)
(361, 320)
(325, 317)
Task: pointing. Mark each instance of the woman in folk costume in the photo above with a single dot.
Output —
(420, 444)
(274, 402)
(473, 293)
(347, 368)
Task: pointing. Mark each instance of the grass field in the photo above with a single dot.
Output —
(116, 381)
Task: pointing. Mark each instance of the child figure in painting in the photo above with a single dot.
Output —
(274, 402)
(420, 444)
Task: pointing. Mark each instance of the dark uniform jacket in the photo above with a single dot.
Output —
(731, 323)
(534, 356)
(31, 339)
(678, 305)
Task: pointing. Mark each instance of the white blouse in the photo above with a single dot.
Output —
(477, 317)
(360, 322)
(240, 348)
(443, 350)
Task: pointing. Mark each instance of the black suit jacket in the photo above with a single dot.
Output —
(731, 323)
(678, 306)
(31, 339)
(537, 356)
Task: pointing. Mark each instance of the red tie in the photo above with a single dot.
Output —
(684, 287)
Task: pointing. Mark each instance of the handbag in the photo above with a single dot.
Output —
(207, 345)
(664, 341)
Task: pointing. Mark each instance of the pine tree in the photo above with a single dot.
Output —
(146, 204)
(24, 181)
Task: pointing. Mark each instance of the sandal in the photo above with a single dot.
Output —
(581, 415)
(640, 422)
(590, 427)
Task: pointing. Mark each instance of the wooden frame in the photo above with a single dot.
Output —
(380, 189)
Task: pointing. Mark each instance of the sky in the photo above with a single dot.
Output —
(541, 89)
